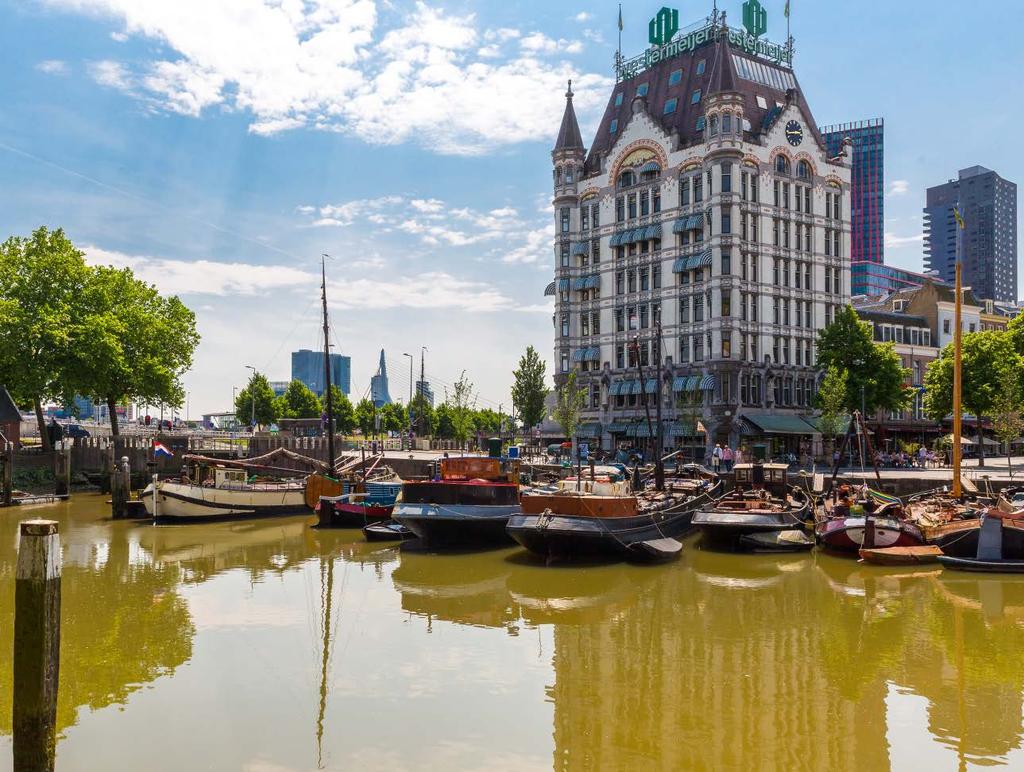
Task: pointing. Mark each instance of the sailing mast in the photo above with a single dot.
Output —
(957, 351)
(328, 398)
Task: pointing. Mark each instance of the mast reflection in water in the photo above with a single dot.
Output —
(269, 645)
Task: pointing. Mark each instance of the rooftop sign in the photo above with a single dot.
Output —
(666, 46)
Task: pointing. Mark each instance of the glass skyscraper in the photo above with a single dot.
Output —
(308, 367)
(867, 242)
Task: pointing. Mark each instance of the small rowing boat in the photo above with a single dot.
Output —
(901, 556)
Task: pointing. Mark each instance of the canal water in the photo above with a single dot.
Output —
(269, 646)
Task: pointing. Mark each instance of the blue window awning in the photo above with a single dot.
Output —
(680, 265)
(702, 260)
(549, 290)
(563, 285)
(680, 225)
(695, 222)
(651, 385)
(708, 383)
(615, 428)
(679, 383)
(593, 282)
(579, 248)
(616, 240)
(588, 430)
(580, 283)
(692, 383)
(594, 354)
(650, 166)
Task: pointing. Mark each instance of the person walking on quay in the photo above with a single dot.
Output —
(716, 458)
(727, 458)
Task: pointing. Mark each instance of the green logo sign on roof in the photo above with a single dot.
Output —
(663, 26)
(755, 18)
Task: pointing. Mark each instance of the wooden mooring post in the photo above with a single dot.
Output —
(36, 645)
(62, 471)
(120, 484)
(6, 474)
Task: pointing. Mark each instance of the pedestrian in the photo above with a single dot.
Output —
(727, 458)
(738, 457)
(716, 458)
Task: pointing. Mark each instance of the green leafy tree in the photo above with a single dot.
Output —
(570, 403)
(487, 421)
(460, 408)
(298, 401)
(344, 413)
(444, 421)
(393, 418)
(424, 416)
(365, 414)
(41, 283)
(1008, 416)
(258, 390)
(131, 343)
(832, 400)
(988, 359)
(529, 390)
(875, 372)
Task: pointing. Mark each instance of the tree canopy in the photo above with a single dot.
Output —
(988, 358)
(571, 399)
(298, 401)
(68, 329)
(529, 390)
(875, 372)
(461, 409)
(266, 408)
(344, 413)
(832, 401)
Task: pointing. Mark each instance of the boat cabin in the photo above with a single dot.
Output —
(230, 478)
(466, 468)
(773, 478)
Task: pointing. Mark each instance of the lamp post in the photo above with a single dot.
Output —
(410, 396)
(252, 396)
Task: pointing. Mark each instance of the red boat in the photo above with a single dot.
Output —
(861, 518)
(358, 509)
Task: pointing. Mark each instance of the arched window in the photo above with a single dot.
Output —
(626, 179)
(558, 175)
(714, 125)
(803, 170)
(568, 174)
(727, 123)
(782, 164)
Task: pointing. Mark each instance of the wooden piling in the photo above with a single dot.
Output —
(6, 474)
(120, 485)
(62, 471)
(36, 645)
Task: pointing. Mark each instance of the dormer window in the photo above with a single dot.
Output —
(695, 98)
(675, 77)
(803, 170)
(700, 66)
(618, 99)
(670, 105)
(641, 90)
(782, 165)
(762, 102)
(614, 126)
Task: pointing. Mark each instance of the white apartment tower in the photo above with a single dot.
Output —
(707, 205)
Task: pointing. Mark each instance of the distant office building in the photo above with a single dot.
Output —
(308, 367)
(423, 387)
(867, 197)
(379, 384)
(988, 244)
(874, 279)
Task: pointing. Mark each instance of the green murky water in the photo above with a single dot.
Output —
(270, 646)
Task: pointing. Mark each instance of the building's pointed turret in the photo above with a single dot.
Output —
(569, 137)
(379, 384)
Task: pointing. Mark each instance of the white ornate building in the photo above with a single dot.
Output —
(706, 203)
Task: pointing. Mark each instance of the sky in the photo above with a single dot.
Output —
(219, 147)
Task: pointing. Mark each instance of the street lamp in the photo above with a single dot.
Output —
(410, 392)
(252, 395)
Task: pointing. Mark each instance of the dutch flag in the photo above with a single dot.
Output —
(159, 449)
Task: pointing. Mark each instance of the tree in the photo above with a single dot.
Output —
(570, 403)
(393, 418)
(529, 391)
(41, 282)
(365, 415)
(298, 401)
(832, 400)
(988, 359)
(259, 389)
(423, 415)
(460, 408)
(344, 413)
(1007, 416)
(875, 372)
(130, 342)
(444, 422)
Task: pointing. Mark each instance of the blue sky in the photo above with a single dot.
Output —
(220, 146)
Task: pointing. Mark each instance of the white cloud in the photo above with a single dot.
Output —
(119, 37)
(431, 290)
(535, 248)
(894, 241)
(203, 277)
(584, 16)
(111, 74)
(899, 188)
(53, 67)
(326, 64)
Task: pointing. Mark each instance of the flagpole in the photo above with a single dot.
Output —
(618, 55)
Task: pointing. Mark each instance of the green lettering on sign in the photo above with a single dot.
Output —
(755, 18)
(663, 26)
